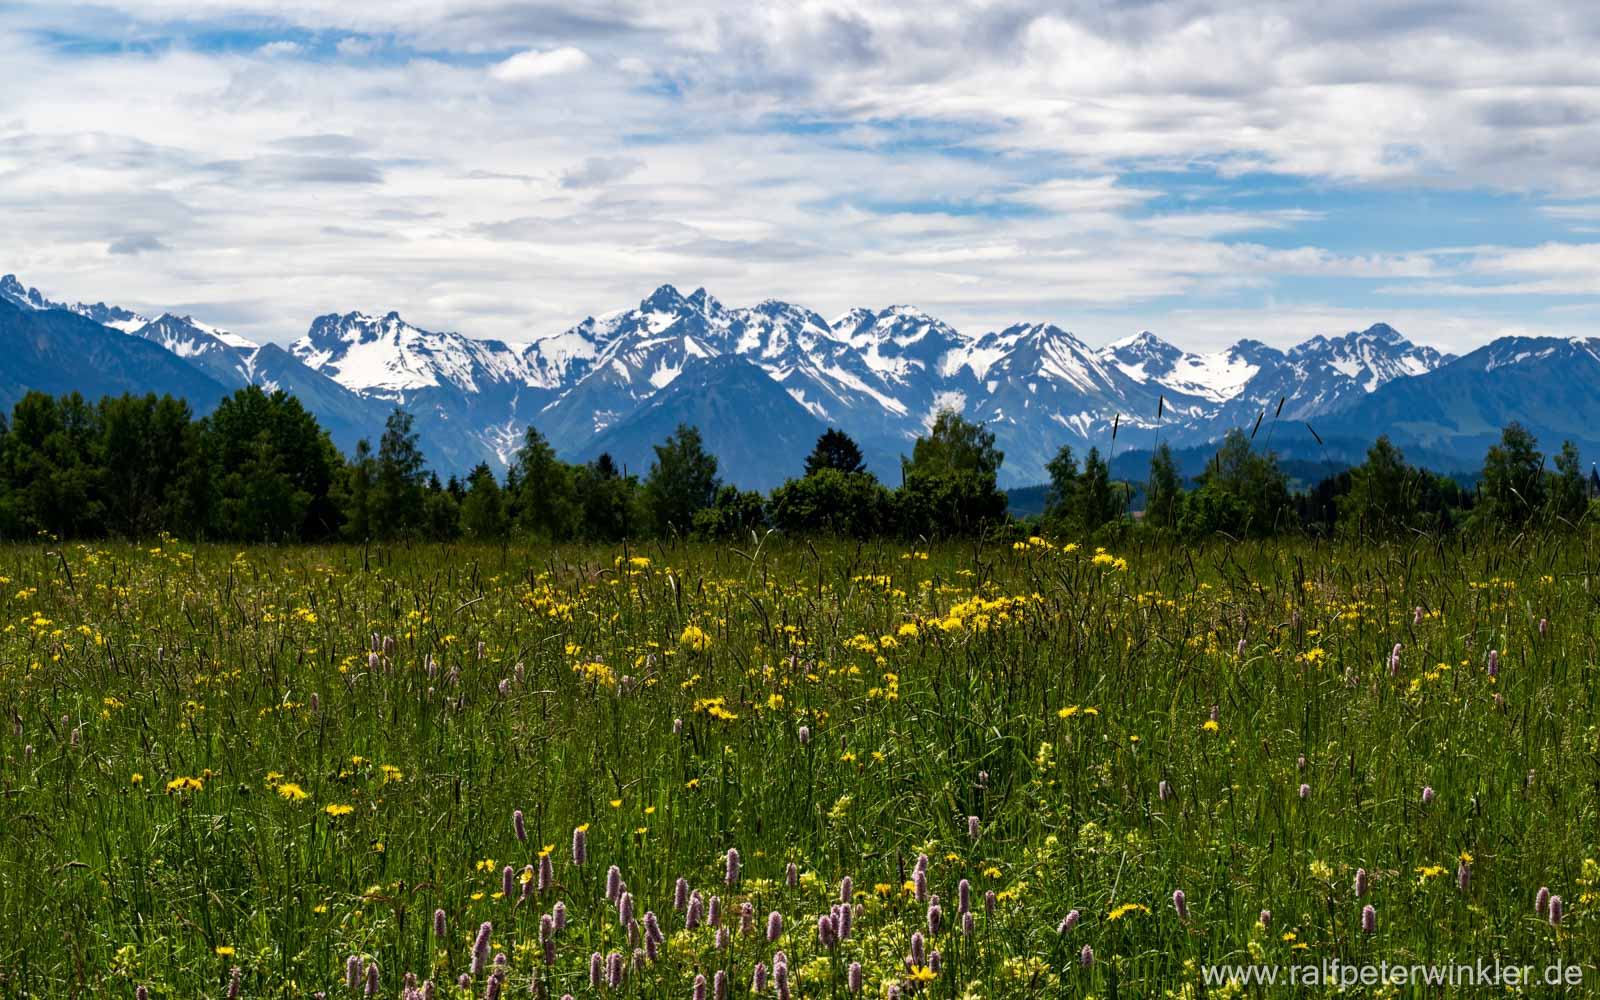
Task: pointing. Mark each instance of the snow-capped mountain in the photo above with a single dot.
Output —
(387, 357)
(879, 374)
(471, 399)
(117, 318)
(1372, 357)
(634, 354)
(1218, 377)
(187, 337)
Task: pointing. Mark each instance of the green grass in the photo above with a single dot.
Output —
(1046, 692)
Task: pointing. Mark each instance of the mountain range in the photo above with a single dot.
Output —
(763, 381)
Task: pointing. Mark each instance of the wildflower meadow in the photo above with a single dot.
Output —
(773, 768)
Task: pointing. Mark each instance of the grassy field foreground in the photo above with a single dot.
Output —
(1003, 771)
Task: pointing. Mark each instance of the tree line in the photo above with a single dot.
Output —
(261, 468)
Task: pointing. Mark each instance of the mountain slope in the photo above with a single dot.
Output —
(57, 351)
(1548, 384)
(759, 434)
(471, 399)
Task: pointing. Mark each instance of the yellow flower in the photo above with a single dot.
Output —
(1429, 871)
(339, 809)
(1125, 909)
(694, 639)
(616, 803)
(225, 950)
(1211, 726)
(292, 791)
(136, 778)
(920, 974)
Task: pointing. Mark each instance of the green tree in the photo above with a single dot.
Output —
(1569, 493)
(1257, 491)
(954, 444)
(1096, 500)
(546, 497)
(53, 482)
(356, 493)
(1512, 488)
(399, 483)
(1163, 503)
(835, 450)
(483, 510)
(441, 512)
(607, 500)
(1063, 492)
(271, 469)
(950, 482)
(831, 502)
(683, 479)
(142, 449)
(734, 515)
(1384, 497)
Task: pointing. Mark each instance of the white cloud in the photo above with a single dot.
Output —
(356, 47)
(535, 65)
(987, 161)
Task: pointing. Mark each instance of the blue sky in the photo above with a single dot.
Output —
(1206, 170)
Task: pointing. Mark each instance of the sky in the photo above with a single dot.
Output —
(1207, 170)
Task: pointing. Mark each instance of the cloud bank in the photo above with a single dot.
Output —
(1208, 170)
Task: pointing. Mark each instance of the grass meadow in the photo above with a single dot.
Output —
(983, 770)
